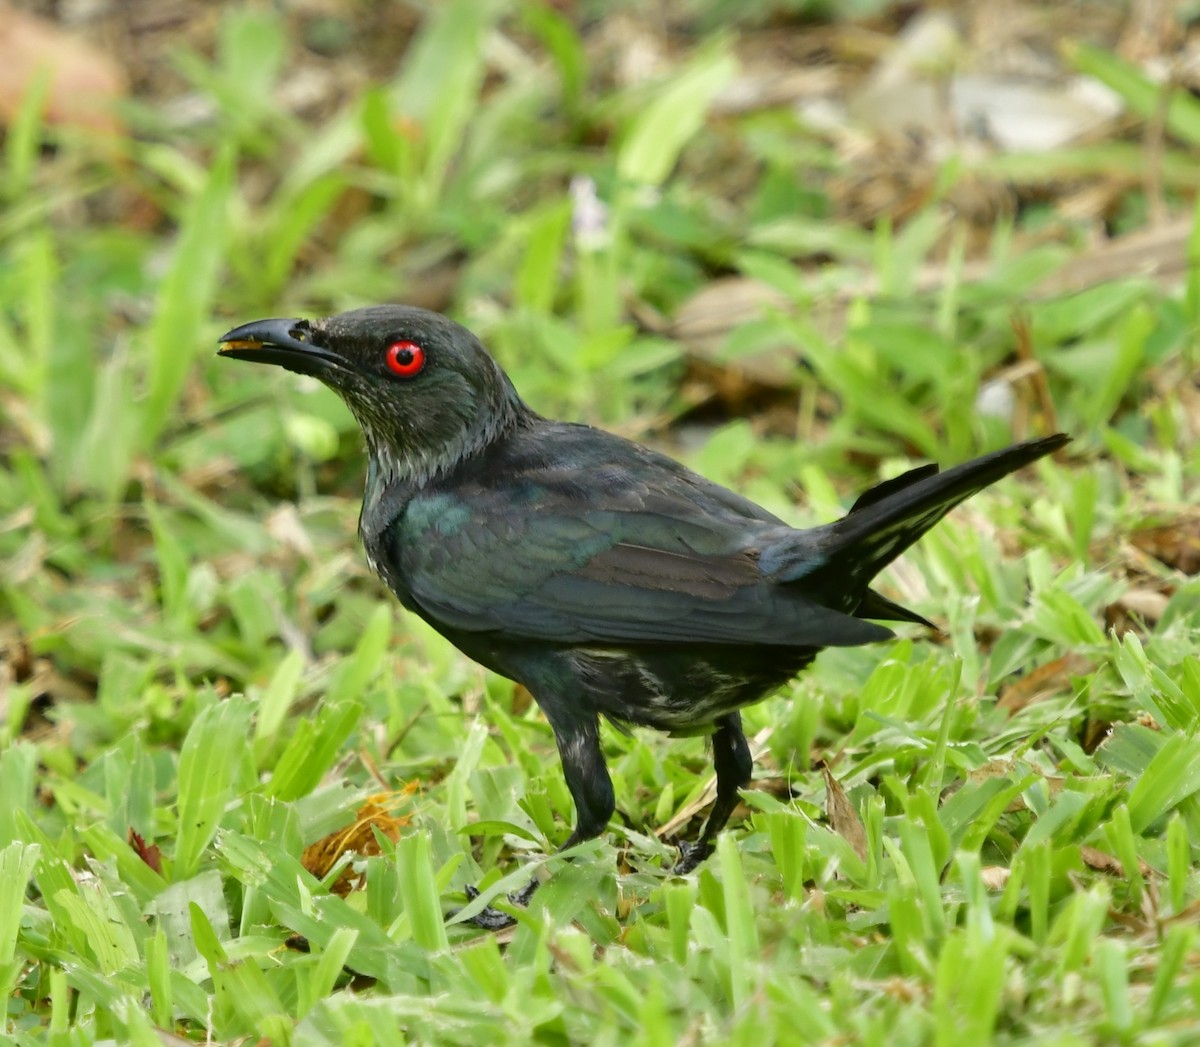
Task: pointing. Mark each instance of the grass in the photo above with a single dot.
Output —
(985, 838)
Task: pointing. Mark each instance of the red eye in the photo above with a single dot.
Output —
(405, 359)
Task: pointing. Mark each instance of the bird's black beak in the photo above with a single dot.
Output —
(288, 343)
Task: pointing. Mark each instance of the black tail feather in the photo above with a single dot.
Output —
(880, 491)
(877, 607)
(888, 518)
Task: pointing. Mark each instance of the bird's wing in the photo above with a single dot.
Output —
(641, 566)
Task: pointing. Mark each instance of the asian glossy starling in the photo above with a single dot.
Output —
(606, 577)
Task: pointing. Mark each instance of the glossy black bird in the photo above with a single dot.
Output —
(605, 577)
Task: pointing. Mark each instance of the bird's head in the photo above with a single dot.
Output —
(423, 389)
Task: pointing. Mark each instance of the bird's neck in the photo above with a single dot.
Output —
(395, 477)
(410, 460)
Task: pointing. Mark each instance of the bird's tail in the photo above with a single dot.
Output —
(888, 518)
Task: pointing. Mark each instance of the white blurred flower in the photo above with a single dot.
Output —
(995, 399)
(589, 217)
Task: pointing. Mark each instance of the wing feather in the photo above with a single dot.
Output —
(604, 573)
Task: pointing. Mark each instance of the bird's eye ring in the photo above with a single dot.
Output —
(405, 359)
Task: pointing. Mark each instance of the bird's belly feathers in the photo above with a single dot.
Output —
(680, 689)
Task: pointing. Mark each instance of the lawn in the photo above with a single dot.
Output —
(244, 792)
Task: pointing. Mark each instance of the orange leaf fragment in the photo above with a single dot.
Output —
(377, 812)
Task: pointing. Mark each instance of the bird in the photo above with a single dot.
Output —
(606, 577)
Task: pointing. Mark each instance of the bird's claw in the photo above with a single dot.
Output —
(691, 855)
(492, 919)
(488, 918)
(525, 895)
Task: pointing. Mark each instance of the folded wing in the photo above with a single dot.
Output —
(566, 571)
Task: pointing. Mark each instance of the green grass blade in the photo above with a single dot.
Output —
(17, 862)
(422, 902)
(185, 298)
(1171, 777)
(1143, 95)
(740, 923)
(660, 131)
(440, 82)
(211, 753)
(312, 750)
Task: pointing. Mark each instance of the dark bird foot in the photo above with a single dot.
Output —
(691, 855)
(491, 919)
(488, 918)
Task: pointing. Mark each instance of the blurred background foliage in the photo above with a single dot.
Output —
(797, 243)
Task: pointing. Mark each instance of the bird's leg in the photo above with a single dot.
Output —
(734, 766)
(588, 781)
(591, 788)
(587, 776)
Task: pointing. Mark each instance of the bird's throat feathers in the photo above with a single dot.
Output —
(413, 447)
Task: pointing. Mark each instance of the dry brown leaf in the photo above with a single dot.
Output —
(1151, 30)
(1103, 862)
(842, 815)
(1040, 388)
(997, 768)
(1043, 682)
(1188, 914)
(1094, 734)
(1175, 543)
(770, 85)
(47, 687)
(1135, 607)
(1148, 604)
(286, 528)
(1135, 924)
(359, 837)
(907, 990)
(704, 321)
(85, 83)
